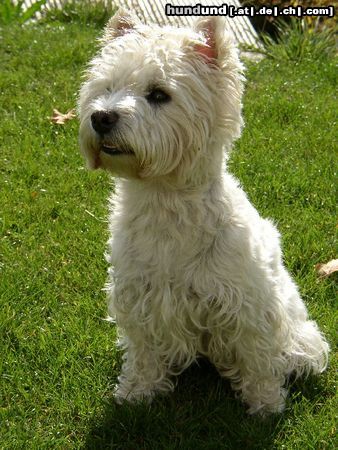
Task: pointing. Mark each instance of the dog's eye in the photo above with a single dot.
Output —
(157, 96)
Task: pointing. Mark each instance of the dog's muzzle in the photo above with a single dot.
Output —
(110, 149)
(104, 121)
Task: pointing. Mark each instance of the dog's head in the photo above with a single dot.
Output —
(161, 101)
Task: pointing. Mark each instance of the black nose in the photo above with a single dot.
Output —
(104, 121)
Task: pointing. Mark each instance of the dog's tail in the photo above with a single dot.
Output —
(310, 351)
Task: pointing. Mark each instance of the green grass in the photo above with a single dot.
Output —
(58, 358)
(297, 41)
(82, 12)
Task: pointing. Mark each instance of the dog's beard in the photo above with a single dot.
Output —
(111, 153)
(115, 144)
(150, 152)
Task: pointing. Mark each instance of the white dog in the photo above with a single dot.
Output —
(195, 270)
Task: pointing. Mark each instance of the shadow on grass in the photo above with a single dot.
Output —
(202, 413)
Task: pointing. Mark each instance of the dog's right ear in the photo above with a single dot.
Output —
(121, 23)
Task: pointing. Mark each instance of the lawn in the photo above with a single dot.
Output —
(58, 357)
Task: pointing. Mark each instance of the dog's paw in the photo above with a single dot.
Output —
(266, 408)
(132, 394)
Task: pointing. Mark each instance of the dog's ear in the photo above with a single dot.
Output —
(121, 23)
(206, 27)
(216, 37)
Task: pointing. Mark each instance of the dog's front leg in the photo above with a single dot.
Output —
(144, 373)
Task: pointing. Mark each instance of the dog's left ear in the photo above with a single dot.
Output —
(121, 23)
(213, 29)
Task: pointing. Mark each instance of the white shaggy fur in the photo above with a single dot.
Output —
(194, 269)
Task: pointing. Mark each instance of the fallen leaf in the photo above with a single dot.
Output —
(60, 118)
(325, 270)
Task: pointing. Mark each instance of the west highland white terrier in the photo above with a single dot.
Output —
(195, 271)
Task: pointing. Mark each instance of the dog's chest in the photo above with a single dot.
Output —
(150, 245)
(149, 240)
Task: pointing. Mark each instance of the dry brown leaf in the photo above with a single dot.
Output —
(60, 118)
(325, 270)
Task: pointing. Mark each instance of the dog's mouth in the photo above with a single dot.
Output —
(113, 150)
